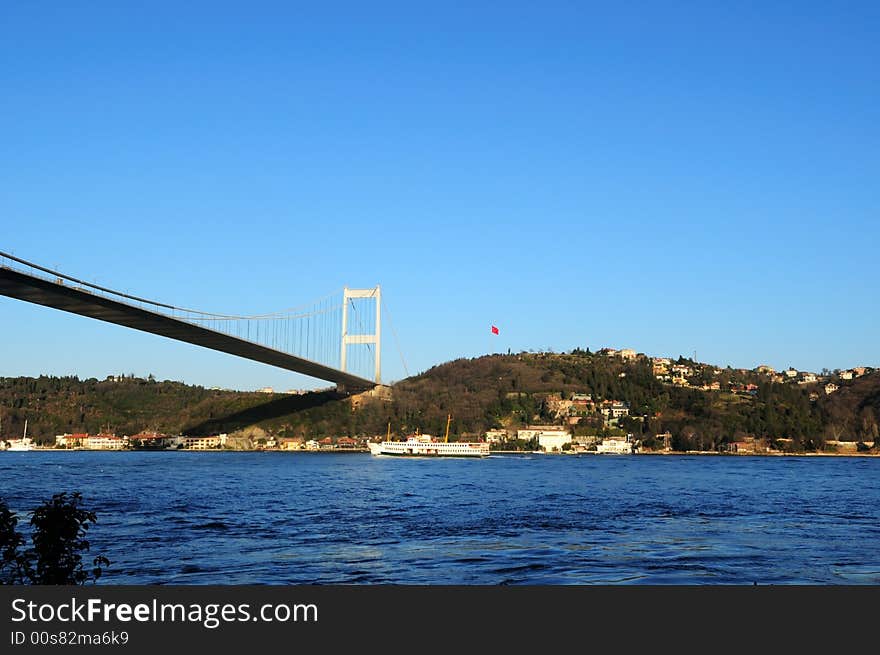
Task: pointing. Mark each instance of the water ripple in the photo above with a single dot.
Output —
(243, 518)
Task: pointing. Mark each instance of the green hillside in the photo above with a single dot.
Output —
(495, 391)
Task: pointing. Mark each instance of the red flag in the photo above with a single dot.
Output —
(494, 330)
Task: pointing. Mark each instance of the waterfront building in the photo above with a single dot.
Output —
(745, 446)
(496, 436)
(290, 444)
(553, 440)
(149, 440)
(76, 440)
(204, 443)
(105, 441)
(616, 446)
(534, 431)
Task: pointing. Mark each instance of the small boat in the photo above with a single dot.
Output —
(17, 445)
(424, 445)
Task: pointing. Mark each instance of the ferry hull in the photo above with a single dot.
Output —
(423, 449)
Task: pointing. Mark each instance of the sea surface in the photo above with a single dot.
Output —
(294, 518)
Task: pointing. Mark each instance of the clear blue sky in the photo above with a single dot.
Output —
(671, 177)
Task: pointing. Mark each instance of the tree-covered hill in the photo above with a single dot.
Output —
(718, 405)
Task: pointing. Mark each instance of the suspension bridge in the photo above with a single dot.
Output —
(336, 339)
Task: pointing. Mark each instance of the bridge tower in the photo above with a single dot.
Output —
(364, 339)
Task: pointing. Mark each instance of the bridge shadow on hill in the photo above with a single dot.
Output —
(264, 412)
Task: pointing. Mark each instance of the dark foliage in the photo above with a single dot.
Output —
(11, 570)
(60, 527)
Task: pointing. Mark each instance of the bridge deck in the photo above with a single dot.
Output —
(22, 286)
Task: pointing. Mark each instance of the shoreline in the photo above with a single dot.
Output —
(699, 453)
(689, 453)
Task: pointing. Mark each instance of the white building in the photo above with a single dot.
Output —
(549, 437)
(830, 388)
(846, 375)
(105, 442)
(204, 443)
(553, 440)
(615, 410)
(496, 436)
(619, 446)
(532, 431)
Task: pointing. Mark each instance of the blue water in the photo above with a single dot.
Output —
(287, 518)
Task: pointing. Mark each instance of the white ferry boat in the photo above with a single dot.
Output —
(424, 445)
